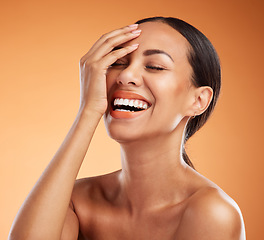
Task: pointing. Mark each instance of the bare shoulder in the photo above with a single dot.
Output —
(212, 214)
(94, 190)
(97, 183)
(90, 199)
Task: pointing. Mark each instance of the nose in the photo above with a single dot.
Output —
(130, 76)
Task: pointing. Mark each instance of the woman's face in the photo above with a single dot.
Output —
(157, 78)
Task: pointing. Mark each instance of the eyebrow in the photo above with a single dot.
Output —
(149, 52)
(156, 51)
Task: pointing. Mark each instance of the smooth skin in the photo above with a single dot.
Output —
(155, 195)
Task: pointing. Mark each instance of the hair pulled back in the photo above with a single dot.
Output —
(206, 70)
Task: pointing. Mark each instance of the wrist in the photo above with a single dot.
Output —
(89, 113)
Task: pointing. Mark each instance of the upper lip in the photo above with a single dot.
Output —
(129, 95)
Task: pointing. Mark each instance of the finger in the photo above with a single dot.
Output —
(115, 55)
(114, 33)
(106, 36)
(111, 43)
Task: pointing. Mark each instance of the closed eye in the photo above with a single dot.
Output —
(155, 68)
(116, 64)
(148, 67)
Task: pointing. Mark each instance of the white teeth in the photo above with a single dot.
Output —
(126, 102)
(123, 110)
(130, 102)
(116, 102)
(121, 101)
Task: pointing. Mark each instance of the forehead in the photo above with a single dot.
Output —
(158, 35)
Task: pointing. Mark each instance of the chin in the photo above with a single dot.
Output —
(124, 130)
(121, 133)
(139, 129)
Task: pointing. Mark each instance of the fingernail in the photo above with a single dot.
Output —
(136, 31)
(134, 45)
(133, 26)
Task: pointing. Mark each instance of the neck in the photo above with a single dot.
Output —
(153, 171)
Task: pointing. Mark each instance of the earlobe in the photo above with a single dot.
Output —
(204, 97)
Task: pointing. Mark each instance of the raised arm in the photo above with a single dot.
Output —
(46, 214)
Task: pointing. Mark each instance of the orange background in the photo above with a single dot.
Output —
(40, 47)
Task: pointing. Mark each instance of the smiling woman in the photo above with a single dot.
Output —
(156, 83)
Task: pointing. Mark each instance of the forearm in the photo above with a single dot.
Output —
(43, 212)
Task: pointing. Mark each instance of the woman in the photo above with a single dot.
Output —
(156, 83)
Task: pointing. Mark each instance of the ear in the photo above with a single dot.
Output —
(203, 97)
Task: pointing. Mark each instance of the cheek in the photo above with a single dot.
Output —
(171, 90)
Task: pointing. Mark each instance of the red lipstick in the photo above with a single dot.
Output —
(128, 95)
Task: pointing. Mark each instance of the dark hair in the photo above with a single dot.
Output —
(206, 69)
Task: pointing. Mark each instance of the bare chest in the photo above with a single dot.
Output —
(108, 225)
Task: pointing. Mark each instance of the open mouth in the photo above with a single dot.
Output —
(129, 105)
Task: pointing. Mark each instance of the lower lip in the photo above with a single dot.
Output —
(125, 115)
